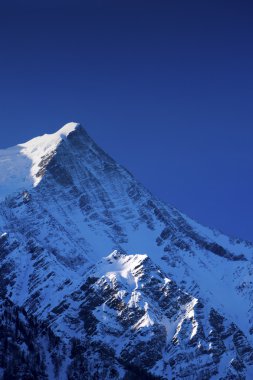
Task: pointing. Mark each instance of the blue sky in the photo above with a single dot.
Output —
(165, 87)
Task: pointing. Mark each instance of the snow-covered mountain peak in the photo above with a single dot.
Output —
(22, 166)
(68, 128)
(48, 141)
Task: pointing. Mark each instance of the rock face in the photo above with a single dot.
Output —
(125, 286)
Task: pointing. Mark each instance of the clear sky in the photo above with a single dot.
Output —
(165, 87)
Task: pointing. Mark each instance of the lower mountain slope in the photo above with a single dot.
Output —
(28, 348)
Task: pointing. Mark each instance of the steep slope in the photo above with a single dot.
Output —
(65, 204)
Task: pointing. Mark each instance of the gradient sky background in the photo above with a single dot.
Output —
(165, 87)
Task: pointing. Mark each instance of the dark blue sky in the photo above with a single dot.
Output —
(165, 87)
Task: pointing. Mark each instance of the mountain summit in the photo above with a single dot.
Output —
(111, 282)
(22, 166)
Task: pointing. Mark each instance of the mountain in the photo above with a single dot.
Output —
(128, 286)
